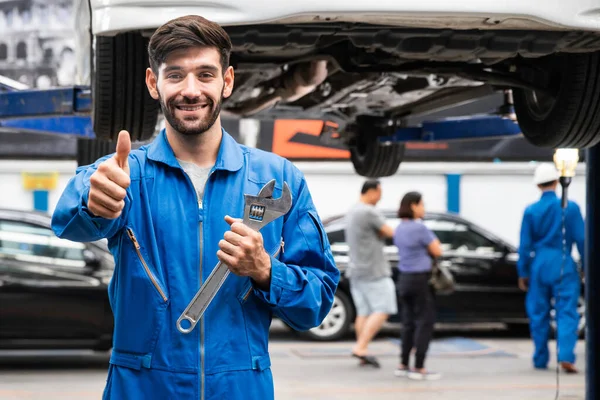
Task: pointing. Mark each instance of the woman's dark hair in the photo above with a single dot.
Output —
(408, 200)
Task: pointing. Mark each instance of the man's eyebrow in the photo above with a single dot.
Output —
(207, 67)
(172, 68)
(204, 67)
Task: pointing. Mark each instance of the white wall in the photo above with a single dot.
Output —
(493, 195)
(12, 193)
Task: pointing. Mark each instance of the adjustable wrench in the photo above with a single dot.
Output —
(258, 212)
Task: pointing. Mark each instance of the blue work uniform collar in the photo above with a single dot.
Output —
(229, 158)
(548, 193)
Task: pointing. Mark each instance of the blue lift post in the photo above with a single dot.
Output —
(592, 276)
(67, 110)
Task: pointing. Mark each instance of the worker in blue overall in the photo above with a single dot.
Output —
(547, 270)
(171, 210)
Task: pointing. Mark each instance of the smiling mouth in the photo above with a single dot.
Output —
(191, 107)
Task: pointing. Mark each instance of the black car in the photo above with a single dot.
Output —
(483, 267)
(53, 292)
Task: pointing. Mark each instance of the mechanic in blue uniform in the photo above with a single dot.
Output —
(171, 210)
(540, 264)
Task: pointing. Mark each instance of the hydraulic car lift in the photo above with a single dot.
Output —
(66, 111)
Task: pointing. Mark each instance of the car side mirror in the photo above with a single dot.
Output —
(91, 259)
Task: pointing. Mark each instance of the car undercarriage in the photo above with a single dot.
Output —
(368, 79)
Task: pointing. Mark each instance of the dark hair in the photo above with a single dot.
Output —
(410, 198)
(368, 185)
(186, 32)
(546, 185)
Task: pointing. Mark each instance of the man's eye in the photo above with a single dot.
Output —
(206, 76)
(174, 76)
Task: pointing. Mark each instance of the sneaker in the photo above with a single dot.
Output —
(401, 372)
(424, 376)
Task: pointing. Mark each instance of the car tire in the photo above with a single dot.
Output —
(520, 330)
(571, 118)
(90, 150)
(120, 97)
(336, 324)
(374, 159)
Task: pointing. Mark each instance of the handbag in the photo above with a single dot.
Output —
(441, 279)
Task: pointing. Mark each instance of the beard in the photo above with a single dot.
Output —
(191, 126)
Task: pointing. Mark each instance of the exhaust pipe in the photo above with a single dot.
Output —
(304, 79)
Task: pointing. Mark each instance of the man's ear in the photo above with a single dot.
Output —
(151, 83)
(228, 78)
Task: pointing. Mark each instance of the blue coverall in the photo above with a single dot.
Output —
(165, 246)
(540, 260)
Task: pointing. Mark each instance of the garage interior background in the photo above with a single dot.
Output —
(487, 183)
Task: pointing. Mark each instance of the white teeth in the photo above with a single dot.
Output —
(190, 108)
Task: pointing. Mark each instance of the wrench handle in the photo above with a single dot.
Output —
(194, 311)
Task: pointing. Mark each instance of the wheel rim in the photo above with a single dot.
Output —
(540, 105)
(334, 321)
(580, 311)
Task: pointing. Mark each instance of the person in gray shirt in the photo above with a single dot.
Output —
(371, 285)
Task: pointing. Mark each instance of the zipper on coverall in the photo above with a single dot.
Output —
(200, 251)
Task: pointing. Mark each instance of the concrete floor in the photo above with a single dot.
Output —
(498, 369)
(473, 367)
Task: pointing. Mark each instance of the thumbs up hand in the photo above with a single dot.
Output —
(109, 183)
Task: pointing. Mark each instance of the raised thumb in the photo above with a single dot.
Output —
(123, 149)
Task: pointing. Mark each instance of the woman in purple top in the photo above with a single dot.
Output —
(417, 247)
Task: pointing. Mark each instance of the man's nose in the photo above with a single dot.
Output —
(191, 87)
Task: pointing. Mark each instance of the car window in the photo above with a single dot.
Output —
(28, 242)
(458, 236)
(337, 237)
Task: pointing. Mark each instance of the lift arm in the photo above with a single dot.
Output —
(458, 128)
(67, 111)
(60, 111)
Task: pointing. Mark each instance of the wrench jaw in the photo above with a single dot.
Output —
(267, 190)
(259, 211)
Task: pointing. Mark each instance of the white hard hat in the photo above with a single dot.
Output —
(545, 173)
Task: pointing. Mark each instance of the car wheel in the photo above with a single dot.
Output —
(120, 97)
(570, 117)
(374, 159)
(89, 150)
(337, 323)
(580, 311)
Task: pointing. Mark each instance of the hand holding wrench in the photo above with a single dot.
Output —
(258, 212)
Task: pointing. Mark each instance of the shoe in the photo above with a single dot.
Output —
(367, 360)
(424, 376)
(568, 367)
(401, 372)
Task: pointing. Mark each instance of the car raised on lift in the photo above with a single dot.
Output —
(368, 68)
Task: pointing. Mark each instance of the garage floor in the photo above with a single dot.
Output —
(474, 366)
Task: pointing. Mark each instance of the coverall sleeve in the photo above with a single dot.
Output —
(525, 247)
(578, 231)
(72, 219)
(304, 279)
